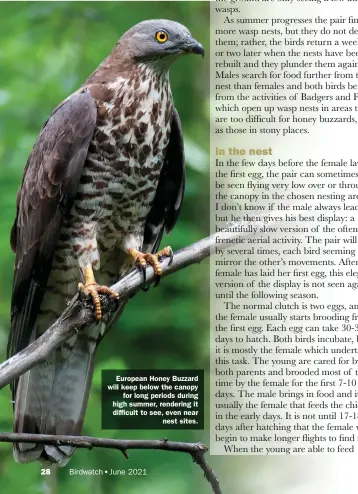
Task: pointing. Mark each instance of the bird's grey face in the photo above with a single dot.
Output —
(160, 40)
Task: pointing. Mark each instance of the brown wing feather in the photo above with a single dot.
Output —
(48, 190)
(170, 191)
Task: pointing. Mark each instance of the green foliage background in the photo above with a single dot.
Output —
(47, 49)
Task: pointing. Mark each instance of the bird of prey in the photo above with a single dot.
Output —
(104, 180)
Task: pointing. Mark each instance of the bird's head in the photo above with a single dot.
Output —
(159, 41)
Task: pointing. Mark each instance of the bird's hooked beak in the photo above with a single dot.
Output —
(193, 46)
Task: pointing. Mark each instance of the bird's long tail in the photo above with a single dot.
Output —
(52, 398)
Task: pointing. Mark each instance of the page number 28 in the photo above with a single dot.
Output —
(45, 471)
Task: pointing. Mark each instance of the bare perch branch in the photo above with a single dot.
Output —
(196, 450)
(101, 442)
(209, 474)
(80, 314)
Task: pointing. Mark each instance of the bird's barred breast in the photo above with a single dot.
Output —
(124, 162)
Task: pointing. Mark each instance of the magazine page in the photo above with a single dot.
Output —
(284, 277)
(178, 277)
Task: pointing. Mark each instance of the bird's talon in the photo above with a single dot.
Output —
(166, 252)
(141, 260)
(93, 290)
(144, 272)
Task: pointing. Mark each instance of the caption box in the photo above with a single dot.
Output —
(152, 399)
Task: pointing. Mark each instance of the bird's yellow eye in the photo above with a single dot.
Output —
(161, 36)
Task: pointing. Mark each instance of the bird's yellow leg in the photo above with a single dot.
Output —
(91, 288)
(141, 260)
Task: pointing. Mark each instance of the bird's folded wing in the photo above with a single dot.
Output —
(170, 191)
(49, 186)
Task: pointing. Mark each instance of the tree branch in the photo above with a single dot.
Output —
(80, 313)
(196, 450)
